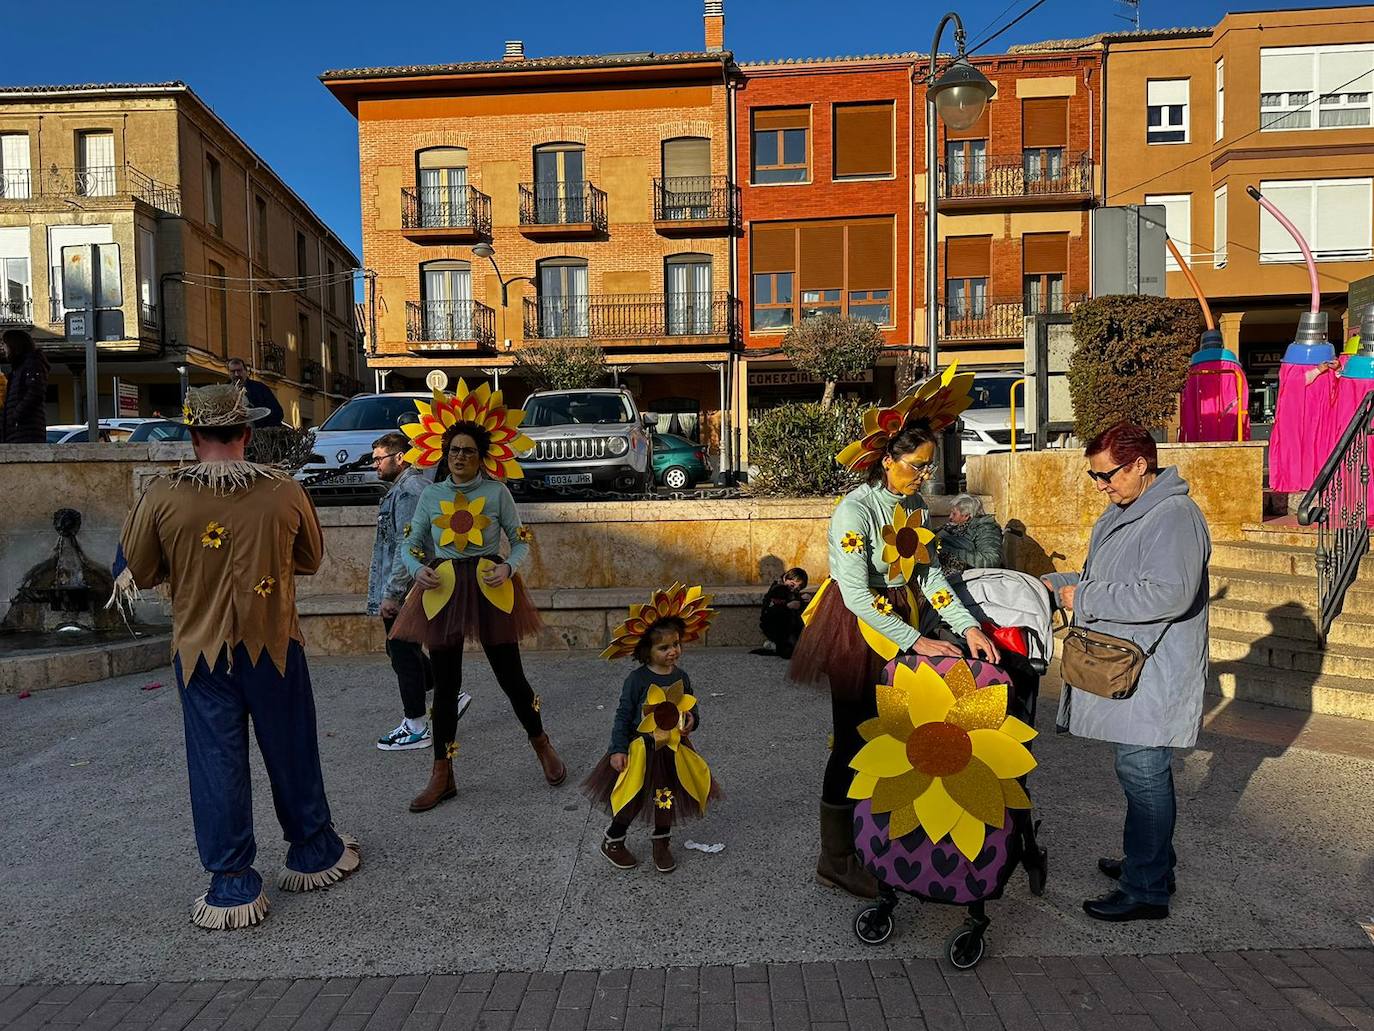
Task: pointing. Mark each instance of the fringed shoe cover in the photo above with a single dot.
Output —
(350, 860)
(229, 918)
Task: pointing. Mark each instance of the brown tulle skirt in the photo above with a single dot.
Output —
(832, 647)
(467, 613)
(660, 774)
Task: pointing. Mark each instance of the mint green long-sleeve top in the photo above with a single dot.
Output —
(865, 511)
(423, 539)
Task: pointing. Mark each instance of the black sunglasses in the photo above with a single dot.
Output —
(1107, 476)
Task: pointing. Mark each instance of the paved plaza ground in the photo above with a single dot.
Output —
(496, 910)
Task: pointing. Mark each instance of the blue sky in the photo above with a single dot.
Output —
(256, 63)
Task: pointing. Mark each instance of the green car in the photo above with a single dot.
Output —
(678, 463)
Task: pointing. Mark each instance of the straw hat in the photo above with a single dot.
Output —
(222, 404)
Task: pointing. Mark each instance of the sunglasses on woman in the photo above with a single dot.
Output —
(1107, 476)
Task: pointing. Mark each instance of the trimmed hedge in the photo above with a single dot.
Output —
(794, 447)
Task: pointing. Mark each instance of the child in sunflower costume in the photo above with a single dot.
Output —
(882, 572)
(229, 537)
(652, 770)
(463, 587)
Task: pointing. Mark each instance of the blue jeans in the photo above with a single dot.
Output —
(1147, 841)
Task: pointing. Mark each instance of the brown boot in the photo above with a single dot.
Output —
(440, 787)
(618, 855)
(554, 770)
(663, 855)
(839, 865)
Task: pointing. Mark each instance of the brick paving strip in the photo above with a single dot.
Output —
(1286, 990)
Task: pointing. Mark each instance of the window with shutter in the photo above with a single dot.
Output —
(836, 268)
(1178, 223)
(1044, 265)
(863, 140)
(821, 275)
(967, 261)
(870, 275)
(1166, 104)
(686, 178)
(1334, 81)
(15, 181)
(780, 145)
(1333, 214)
(1044, 132)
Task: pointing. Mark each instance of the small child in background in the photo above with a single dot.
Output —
(780, 620)
(651, 769)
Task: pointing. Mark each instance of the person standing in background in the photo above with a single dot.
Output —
(24, 419)
(259, 393)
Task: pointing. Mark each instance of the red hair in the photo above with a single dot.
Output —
(1125, 442)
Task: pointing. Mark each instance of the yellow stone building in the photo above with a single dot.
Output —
(218, 257)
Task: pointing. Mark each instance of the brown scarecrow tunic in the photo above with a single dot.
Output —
(229, 539)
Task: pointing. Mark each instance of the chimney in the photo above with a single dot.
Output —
(515, 50)
(715, 25)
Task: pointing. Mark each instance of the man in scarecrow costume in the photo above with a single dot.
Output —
(229, 537)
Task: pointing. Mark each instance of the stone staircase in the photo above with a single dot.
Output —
(1265, 644)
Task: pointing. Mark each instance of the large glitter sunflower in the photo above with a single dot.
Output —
(461, 520)
(665, 712)
(939, 399)
(906, 542)
(686, 603)
(481, 406)
(943, 755)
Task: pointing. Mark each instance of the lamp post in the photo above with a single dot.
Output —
(957, 96)
(486, 250)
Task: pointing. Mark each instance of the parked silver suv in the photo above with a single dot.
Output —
(587, 438)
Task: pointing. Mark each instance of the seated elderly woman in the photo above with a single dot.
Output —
(971, 539)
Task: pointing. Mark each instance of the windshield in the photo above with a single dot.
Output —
(992, 392)
(159, 431)
(578, 409)
(371, 413)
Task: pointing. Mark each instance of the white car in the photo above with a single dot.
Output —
(345, 439)
(987, 431)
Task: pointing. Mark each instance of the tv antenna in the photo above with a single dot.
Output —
(1131, 13)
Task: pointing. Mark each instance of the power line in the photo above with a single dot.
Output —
(993, 20)
(1005, 28)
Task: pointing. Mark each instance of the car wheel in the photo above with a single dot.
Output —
(676, 478)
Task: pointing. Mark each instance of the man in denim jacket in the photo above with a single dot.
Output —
(388, 582)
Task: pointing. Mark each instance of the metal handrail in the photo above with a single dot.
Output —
(1338, 505)
(1011, 396)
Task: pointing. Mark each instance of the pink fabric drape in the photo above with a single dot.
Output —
(1305, 427)
(1211, 402)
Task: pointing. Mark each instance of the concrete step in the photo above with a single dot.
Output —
(1330, 695)
(1270, 557)
(1232, 649)
(1297, 593)
(1258, 619)
(1281, 531)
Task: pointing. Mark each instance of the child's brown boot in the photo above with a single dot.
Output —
(663, 855)
(618, 855)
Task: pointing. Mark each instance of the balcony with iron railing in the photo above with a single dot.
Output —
(1025, 181)
(450, 327)
(147, 313)
(997, 318)
(448, 213)
(92, 182)
(712, 318)
(272, 358)
(695, 204)
(573, 208)
(312, 374)
(346, 385)
(16, 311)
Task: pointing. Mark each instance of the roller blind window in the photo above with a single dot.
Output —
(863, 140)
(1178, 223)
(968, 256)
(1334, 82)
(1045, 253)
(838, 268)
(1334, 215)
(1166, 103)
(1044, 122)
(780, 145)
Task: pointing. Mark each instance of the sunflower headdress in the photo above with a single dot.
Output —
(482, 406)
(685, 603)
(943, 755)
(939, 400)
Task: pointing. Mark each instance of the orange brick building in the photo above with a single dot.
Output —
(603, 185)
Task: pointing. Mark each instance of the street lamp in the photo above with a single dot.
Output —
(486, 250)
(957, 96)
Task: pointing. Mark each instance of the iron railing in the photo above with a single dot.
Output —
(312, 374)
(15, 312)
(575, 203)
(696, 198)
(450, 322)
(273, 357)
(995, 318)
(16, 184)
(631, 316)
(160, 195)
(446, 207)
(147, 313)
(1070, 176)
(347, 385)
(1337, 505)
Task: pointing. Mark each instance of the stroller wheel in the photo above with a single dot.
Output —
(965, 947)
(873, 924)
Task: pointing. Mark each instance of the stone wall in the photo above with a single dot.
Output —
(1048, 505)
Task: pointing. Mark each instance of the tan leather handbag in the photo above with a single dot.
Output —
(1101, 664)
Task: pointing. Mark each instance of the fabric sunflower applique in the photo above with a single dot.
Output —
(524, 535)
(461, 521)
(264, 586)
(418, 552)
(906, 543)
(451, 751)
(852, 542)
(405, 530)
(538, 704)
(214, 536)
(663, 798)
(941, 599)
(882, 605)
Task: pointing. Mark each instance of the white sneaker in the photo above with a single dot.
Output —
(402, 738)
(464, 700)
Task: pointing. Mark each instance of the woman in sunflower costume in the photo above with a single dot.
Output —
(463, 588)
(651, 769)
(882, 572)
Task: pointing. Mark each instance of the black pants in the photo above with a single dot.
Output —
(413, 675)
(448, 679)
(663, 822)
(846, 716)
(782, 626)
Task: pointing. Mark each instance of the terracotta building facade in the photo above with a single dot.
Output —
(217, 257)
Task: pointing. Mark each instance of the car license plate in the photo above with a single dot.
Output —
(346, 478)
(567, 479)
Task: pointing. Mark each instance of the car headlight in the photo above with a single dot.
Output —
(617, 446)
(971, 436)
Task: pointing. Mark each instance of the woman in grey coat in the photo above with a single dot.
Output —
(1145, 579)
(970, 539)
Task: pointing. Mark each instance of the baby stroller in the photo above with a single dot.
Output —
(1016, 606)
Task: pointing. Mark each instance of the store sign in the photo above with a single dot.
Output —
(128, 399)
(794, 378)
(1361, 297)
(1263, 359)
